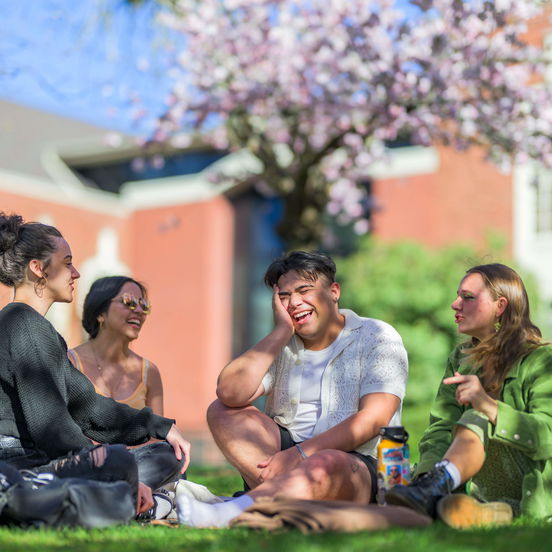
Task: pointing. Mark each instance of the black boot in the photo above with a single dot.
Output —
(424, 492)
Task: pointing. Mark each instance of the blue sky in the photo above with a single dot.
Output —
(100, 61)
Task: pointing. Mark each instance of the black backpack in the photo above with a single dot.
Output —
(27, 500)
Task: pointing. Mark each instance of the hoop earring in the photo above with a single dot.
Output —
(39, 286)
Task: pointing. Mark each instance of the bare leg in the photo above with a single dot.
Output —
(326, 475)
(245, 436)
(466, 452)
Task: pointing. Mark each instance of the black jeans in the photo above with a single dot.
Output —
(157, 464)
(153, 464)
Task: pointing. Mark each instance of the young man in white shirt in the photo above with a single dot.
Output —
(332, 379)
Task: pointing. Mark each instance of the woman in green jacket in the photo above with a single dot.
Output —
(491, 423)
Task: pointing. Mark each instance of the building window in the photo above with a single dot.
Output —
(543, 196)
(256, 245)
(111, 175)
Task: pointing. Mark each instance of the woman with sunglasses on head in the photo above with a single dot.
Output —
(49, 412)
(490, 430)
(115, 309)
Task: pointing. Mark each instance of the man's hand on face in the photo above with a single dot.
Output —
(282, 462)
(282, 317)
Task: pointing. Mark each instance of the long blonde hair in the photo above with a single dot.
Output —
(515, 335)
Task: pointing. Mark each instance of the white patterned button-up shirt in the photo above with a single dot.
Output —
(370, 358)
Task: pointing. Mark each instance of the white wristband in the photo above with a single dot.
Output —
(301, 451)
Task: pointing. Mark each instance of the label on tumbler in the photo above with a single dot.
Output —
(393, 460)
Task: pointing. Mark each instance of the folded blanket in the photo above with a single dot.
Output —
(316, 516)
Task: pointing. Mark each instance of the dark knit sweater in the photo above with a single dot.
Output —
(51, 406)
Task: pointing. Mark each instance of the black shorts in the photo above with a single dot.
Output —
(288, 442)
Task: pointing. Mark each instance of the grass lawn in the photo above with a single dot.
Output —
(523, 535)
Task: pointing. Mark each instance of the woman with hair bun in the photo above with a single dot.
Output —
(115, 309)
(49, 412)
(491, 423)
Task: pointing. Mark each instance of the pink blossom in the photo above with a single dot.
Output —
(334, 79)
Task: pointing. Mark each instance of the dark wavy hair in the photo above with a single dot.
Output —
(308, 264)
(516, 337)
(99, 297)
(20, 243)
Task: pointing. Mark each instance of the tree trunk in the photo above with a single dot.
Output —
(301, 226)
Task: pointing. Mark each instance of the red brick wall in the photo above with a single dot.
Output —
(465, 200)
(184, 255)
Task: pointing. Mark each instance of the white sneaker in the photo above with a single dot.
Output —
(164, 507)
(197, 492)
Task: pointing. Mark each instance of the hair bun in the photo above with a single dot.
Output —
(9, 231)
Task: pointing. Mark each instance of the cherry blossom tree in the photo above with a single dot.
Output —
(314, 88)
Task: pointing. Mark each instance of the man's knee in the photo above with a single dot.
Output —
(338, 474)
(224, 417)
(325, 464)
(215, 411)
(331, 463)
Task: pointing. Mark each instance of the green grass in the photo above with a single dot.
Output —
(521, 536)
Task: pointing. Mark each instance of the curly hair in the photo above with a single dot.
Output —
(21, 242)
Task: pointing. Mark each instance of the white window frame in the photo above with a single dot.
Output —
(543, 201)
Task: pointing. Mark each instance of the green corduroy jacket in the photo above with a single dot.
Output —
(524, 422)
